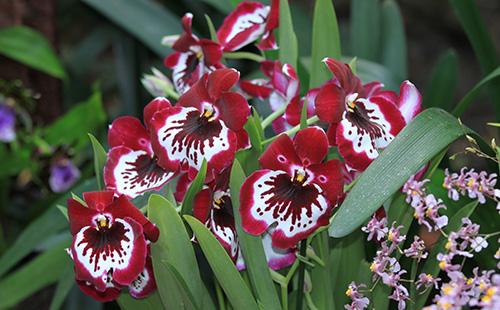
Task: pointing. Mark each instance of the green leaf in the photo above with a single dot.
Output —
(175, 248)
(253, 252)
(482, 43)
(322, 276)
(152, 302)
(14, 161)
(223, 267)
(173, 290)
(100, 158)
(146, 20)
(254, 130)
(370, 71)
(429, 133)
(303, 115)
(46, 225)
(211, 28)
(325, 41)
(288, 51)
(64, 285)
(431, 265)
(194, 188)
(44, 270)
(393, 45)
(440, 88)
(462, 106)
(72, 127)
(30, 48)
(365, 29)
(345, 251)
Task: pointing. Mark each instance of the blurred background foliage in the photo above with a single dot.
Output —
(72, 66)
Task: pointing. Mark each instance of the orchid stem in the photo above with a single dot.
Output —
(244, 55)
(293, 130)
(413, 289)
(269, 119)
(284, 297)
(302, 272)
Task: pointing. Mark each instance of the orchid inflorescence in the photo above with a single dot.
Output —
(301, 175)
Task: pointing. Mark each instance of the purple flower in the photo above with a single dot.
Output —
(63, 174)
(416, 249)
(376, 228)
(359, 302)
(395, 236)
(400, 294)
(7, 123)
(427, 281)
(473, 184)
(414, 191)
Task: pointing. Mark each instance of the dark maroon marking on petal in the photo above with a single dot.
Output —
(290, 197)
(147, 172)
(195, 130)
(361, 119)
(104, 240)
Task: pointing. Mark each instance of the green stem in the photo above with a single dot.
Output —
(244, 55)
(309, 302)
(268, 120)
(220, 295)
(293, 130)
(284, 297)
(302, 272)
(413, 289)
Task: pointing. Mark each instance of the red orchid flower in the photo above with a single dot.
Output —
(247, 23)
(207, 123)
(109, 245)
(131, 168)
(213, 206)
(282, 89)
(193, 57)
(363, 119)
(295, 190)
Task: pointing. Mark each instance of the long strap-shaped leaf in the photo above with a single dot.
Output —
(175, 248)
(482, 43)
(253, 252)
(288, 52)
(228, 277)
(325, 41)
(146, 20)
(127, 302)
(429, 133)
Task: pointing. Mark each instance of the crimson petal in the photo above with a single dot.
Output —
(329, 177)
(409, 101)
(79, 216)
(98, 200)
(221, 81)
(130, 132)
(109, 294)
(280, 155)
(270, 197)
(346, 78)
(145, 283)
(329, 103)
(245, 24)
(234, 110)
(132, 173)
(154, 106)
(187, 39)
(256, 88)
(311, 145)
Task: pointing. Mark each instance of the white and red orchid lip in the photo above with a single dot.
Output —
(132, 173)
(118, 246)
(214, 208)
(371, 125)
(244, 25)
(271, 197)
(109, 294)
(182, 134)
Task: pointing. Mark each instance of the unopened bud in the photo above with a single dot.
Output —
(157, 84)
